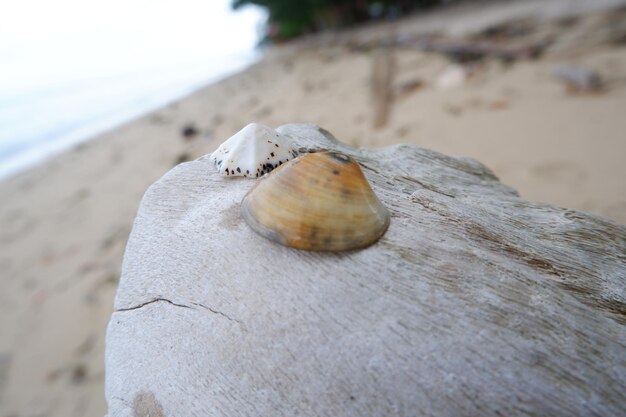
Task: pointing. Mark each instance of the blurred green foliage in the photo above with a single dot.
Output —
(291, 18)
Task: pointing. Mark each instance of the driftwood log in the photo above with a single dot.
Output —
(467, 51)
(474, 303)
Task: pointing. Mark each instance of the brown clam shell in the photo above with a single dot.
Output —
(318, 201)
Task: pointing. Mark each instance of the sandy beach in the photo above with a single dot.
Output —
(64, 224)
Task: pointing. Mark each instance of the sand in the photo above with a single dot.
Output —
(64, 224)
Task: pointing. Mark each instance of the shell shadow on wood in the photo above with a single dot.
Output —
(318, 201)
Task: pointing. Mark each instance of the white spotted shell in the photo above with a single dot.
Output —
(253, 151)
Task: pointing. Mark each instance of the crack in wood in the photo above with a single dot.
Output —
(226, 316)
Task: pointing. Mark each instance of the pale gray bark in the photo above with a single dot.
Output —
(474, 303)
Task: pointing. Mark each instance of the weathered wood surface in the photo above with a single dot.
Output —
(475, 303)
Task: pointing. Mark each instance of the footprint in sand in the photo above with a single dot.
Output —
(5, 363)
(560, 171)
(615, 211)
(16, 226)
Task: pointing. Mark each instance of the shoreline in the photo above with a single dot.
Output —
(65, 222)
(134, 106)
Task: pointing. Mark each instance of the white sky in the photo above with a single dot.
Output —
(51, 41)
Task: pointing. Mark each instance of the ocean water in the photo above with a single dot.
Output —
(89, 66)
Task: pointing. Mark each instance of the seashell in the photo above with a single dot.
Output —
(253, 151)
(318, 201)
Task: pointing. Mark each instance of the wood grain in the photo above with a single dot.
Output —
(474, 303)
